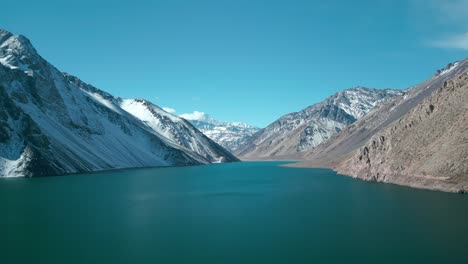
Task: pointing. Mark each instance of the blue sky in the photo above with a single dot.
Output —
(240, 60)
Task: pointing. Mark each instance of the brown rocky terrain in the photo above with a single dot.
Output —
(426, 148)
(420, 140)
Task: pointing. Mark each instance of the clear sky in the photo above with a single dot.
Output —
(243, 60)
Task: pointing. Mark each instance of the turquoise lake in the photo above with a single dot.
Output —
(250, 212)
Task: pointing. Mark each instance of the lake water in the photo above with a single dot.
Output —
(252, 212)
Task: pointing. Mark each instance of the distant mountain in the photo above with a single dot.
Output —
(230, 135)
(420, 139)
(176, 129)
(53, 123)
(304, 130)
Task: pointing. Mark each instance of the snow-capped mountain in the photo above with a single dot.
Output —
(53, 123)
(230, 135)
(306, 129)
(176, 129)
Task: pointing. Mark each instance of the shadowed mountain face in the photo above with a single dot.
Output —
(53, 123)
(306, 129)
(419, 139)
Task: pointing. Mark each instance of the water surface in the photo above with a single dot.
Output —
(252, 212)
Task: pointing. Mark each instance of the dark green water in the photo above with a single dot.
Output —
(227, 213)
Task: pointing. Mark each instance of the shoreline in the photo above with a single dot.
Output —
(441, 184)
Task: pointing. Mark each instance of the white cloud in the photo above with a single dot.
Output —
(196, 115)
(454, 10)
(459, 41)
(451, 15)
(169, 110)
(444, 11)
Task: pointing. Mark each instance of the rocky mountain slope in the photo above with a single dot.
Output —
(407, 141)
(427, 147)
(53, 123)
(304, 130)
(230, 135)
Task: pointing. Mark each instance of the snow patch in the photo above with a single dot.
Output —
(449, 69)
(100, 99)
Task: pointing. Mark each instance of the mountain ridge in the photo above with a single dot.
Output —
(304, 130)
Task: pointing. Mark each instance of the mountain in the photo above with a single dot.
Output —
(176, 129)
(53, 123)
(419, 139)
(304, 130)
(427, 147)
(230, 135)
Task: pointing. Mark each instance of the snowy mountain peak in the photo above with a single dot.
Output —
(4, 35)
(147, 111)
(17, 52)
(360, 100)
(230, 135)
(16, 42)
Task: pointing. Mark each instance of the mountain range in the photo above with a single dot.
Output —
(230, 135)
(304, 130)
(419, 139)
(416, 137)
(53, 123)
